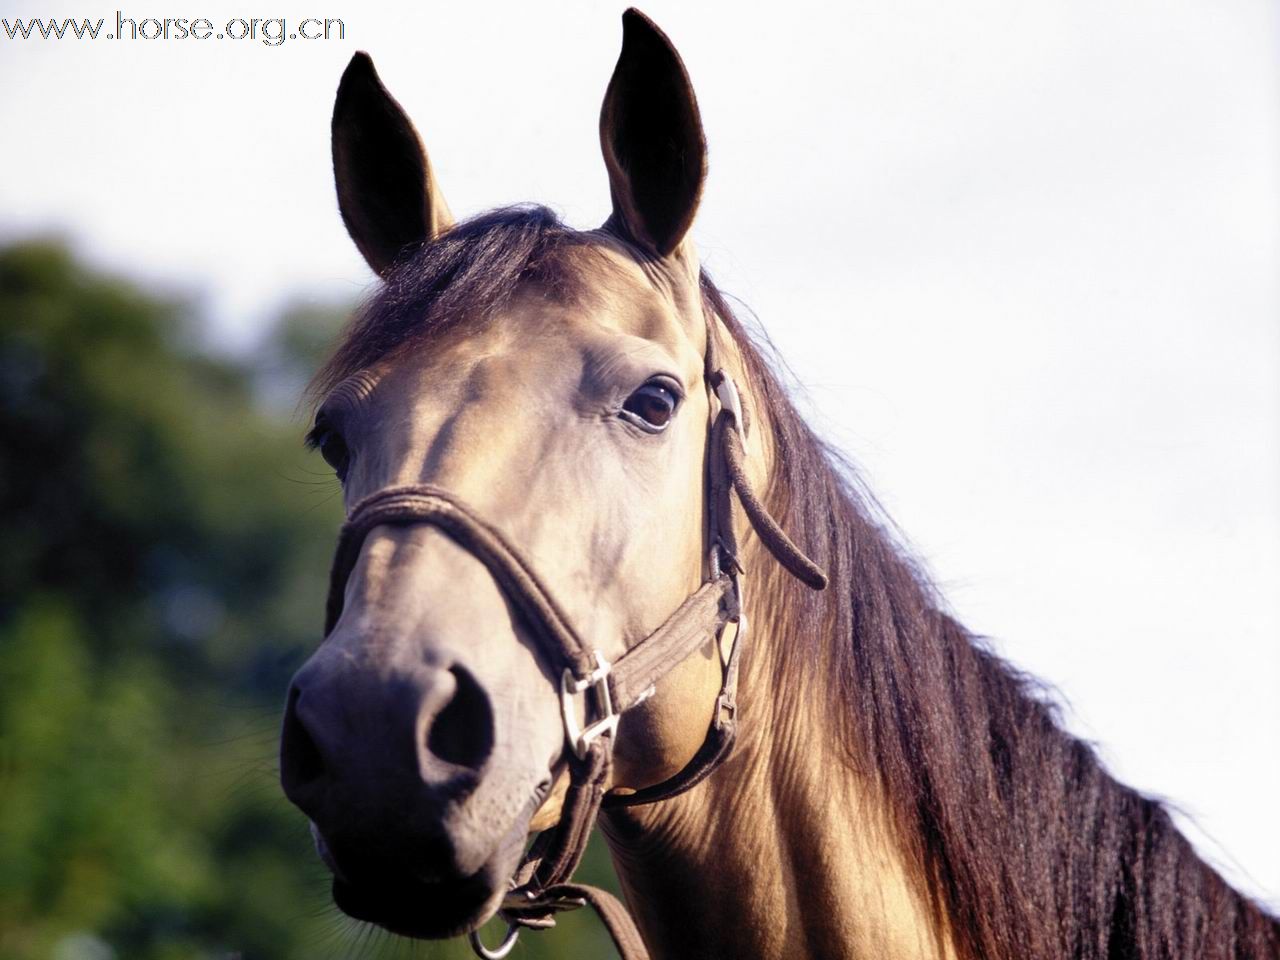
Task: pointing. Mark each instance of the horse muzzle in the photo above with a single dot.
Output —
(415, 809)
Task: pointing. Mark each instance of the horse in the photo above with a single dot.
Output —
(597, 567)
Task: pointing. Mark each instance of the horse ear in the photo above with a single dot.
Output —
(651, 136)
(386, 191)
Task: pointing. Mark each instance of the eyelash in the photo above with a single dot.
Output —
(331, 445)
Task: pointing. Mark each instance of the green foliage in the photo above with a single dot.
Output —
(163, 553)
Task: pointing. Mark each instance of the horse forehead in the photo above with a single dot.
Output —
(614, 307)
(541, 337)
(621, 296)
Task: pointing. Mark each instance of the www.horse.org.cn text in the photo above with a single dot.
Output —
(271, 31)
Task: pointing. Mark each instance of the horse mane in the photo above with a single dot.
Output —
(1022, 844)
(1021, 841)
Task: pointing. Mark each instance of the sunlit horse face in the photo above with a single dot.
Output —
(424, 737)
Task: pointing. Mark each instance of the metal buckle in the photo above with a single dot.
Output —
(726, 707)
(524, 899)
(501, 950)
(580, 739)
(727, 394)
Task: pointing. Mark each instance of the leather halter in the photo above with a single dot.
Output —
(541, 886)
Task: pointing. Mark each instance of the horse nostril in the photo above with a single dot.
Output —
(462, 732)
(301, 763)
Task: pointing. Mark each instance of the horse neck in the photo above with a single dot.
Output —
(784, 851)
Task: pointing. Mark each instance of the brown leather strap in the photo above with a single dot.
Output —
(587, 783)
(428, 504)
(695, 622)
(540, 914)
(771, 535)
(715, 747)
(622, 929)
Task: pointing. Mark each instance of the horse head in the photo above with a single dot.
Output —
(556, 383)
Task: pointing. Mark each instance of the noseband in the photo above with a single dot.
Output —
(542, 885)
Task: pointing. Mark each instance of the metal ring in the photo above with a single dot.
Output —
(498, 952)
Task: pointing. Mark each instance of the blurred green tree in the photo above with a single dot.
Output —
(164, 542)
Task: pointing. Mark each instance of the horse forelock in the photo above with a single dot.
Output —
(462, 277)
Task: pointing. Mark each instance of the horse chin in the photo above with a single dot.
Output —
(401, 900)
(423, 911)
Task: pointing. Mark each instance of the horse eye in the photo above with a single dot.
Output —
(334, 450)
(652, 406)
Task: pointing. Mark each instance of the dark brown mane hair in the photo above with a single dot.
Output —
(1023, 844)
(465, 275)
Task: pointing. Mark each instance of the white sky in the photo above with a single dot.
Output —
(1024, 257)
